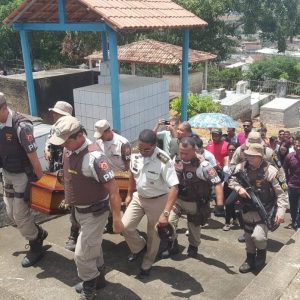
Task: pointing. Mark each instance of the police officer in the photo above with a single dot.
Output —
(153, 174)
(117, 151)
(267, 183)
(196, 175)
(89, 187)
(269, 155)
(116, 147)
(60, 109)
(20, 165)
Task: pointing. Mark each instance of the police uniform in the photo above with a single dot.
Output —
(85, 170)
(17, 141)
(154, 176)
(195, 180)
(16, 138)
(271, 188)
(117, 151)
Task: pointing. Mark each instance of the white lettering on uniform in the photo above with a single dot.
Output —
(31, 147)
(108, 176)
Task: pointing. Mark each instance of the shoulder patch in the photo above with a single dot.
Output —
(281, 180)
(162, 157)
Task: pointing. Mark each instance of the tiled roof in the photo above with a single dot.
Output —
(154, 52)
(119, 14)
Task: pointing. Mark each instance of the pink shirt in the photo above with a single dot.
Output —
(218, 150)
(241, 138)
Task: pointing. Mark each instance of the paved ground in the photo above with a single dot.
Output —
(213, 275)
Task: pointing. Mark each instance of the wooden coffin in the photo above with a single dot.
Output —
(47, 195)
(122, 179)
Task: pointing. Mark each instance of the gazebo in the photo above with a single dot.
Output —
(107, 17)
(150, 51)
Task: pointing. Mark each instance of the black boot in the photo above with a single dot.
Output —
(171, 250)
(261, 258)
(100, 281)
(35, 252)
(72, 239)
(88, 290)
(249, 264)
(192, 251)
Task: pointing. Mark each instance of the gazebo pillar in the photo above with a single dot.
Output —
(114, 73)
(28, 72)
(185, 74)
(205, 76)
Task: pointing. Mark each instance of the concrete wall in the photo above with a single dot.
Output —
(195, 82)
(50, 86)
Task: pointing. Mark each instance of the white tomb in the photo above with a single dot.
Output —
(143, 100)
(283, 112)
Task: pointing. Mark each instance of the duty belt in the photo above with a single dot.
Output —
(154, 197)
(97, 208)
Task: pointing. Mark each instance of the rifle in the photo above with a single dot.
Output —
(55, 159)
(268, 219)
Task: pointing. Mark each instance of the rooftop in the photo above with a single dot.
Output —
(119, 14)
(155, 52)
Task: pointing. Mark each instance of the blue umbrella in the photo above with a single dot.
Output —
(212, 120)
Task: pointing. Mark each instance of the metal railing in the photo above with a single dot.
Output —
(264, 86)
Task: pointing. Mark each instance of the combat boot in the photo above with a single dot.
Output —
(192, 251)
(100, 281)
(249, 264)
(88, 290)
(261, 258)
(72, 239)
(171, 250)
(35, 252)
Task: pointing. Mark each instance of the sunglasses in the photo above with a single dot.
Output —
(147, 150)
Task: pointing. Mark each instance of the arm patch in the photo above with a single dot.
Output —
(27, 139)
(126, 152)
(282, 182)
(103, 171)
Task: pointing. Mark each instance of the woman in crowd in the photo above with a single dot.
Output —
(229, 209)
(283, 151)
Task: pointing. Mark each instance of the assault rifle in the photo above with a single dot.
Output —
(55, 159)
(268, 219)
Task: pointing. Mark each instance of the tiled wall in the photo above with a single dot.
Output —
(143, 101)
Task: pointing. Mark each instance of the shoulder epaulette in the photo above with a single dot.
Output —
(162, 157)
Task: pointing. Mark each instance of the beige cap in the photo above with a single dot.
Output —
(100, 127)
(2, 99)
(255, 150)
(63, 129)
(62, 108)
(254, 138)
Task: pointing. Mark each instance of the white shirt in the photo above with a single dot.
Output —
(153, 175)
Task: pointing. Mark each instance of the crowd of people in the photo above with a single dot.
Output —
(171, 173)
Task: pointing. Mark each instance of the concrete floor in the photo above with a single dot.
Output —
(212, 275)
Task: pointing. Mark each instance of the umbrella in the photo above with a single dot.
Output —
(212, 120)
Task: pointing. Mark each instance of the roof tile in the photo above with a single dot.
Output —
(120, 14)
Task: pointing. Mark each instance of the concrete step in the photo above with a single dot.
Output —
(213, 275)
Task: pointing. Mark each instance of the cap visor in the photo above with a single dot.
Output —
(59, 111)
(97, 135)
(55, 140)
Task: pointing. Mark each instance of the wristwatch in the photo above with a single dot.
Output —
(166, 213)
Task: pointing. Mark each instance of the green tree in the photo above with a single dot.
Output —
(10, 44)
(275, 68)
(277, 20)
